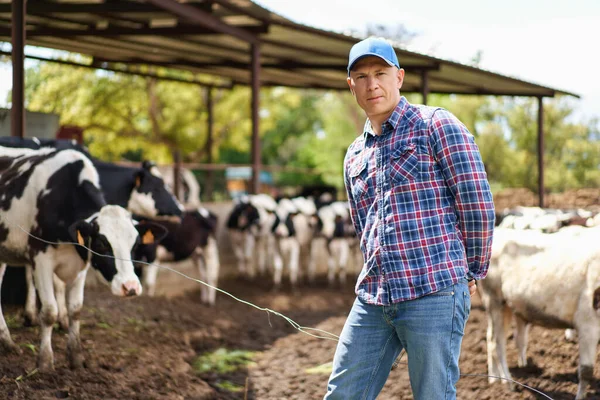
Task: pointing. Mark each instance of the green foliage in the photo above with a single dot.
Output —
(135, 118)
(223, 361)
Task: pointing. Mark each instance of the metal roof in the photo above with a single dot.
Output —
(158, 33)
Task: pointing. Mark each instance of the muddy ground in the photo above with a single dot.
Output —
(145, 348)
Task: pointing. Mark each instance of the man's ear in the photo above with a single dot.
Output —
(150, 232)
(81, 231)
(349, 80)
(400, 77)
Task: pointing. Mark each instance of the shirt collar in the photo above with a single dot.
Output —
(392, 122)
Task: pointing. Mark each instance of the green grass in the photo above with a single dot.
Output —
(323, 369)
(30, 347)
(103, 325)
(12, 321)
(223, 361)
(229, 386)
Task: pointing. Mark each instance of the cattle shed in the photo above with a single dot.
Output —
(222, 43)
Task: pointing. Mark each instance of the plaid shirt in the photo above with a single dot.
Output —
(420, 203)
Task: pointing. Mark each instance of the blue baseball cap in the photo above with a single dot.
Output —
(373, 46)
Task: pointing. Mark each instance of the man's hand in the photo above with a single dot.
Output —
(472, 287)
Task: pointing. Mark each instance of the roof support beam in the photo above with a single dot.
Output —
(255, 104)
(107, 67)
(17, 114)
(175, 31)
(424, 85)
(540, 151)
(195, 15)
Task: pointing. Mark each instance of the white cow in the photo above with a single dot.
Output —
(548, 280)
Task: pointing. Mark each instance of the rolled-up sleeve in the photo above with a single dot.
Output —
(460, 161)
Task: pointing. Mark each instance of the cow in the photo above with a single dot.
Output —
(53, 216)
(140, 190)
(249, 225)
(293, 235)
(334, 228)
(189, 189)
(193, 238)
(540, 279)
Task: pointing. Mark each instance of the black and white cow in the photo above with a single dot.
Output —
(250, 225)
(50, 196)
(293, 236)
(140, 190)
(194, 238)
(333, 227)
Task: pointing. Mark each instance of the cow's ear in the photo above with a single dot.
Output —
(150, 232)
(148, 165)
(139, 178)
(81, 231)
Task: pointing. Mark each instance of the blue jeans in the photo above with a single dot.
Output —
(429, 328)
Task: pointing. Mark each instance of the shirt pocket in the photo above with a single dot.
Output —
(404, 163)
(358, 179)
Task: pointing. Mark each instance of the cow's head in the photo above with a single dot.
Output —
(283, 226)
(113, 238)
(150, 196)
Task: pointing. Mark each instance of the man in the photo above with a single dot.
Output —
(422, 208)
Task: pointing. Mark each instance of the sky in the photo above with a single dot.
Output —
(550, 42)
(553, 43)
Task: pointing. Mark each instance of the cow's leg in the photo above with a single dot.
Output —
(251, 244)
(278, 266)
(262, 248)
(6, 341)
(294, 251)
(343, 257)
(332, 250)
(521, 338)
(31, 311)
(237, 242)
(312, 261)
(588, 341)
(150, 272)
(75, 303)
(61, 302)
(43, 274)
(495, 338)
(212, 266)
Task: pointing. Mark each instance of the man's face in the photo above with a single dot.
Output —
(376, 87)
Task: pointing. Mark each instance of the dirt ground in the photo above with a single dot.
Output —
(144, 348)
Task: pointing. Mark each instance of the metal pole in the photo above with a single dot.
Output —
(540, 150)
(424, 85)
(18, 67)
(177, 174)
(210, 176)
(256, 161)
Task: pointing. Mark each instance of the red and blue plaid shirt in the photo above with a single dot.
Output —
(420, 203)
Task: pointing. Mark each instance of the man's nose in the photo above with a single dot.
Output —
(372, 83)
